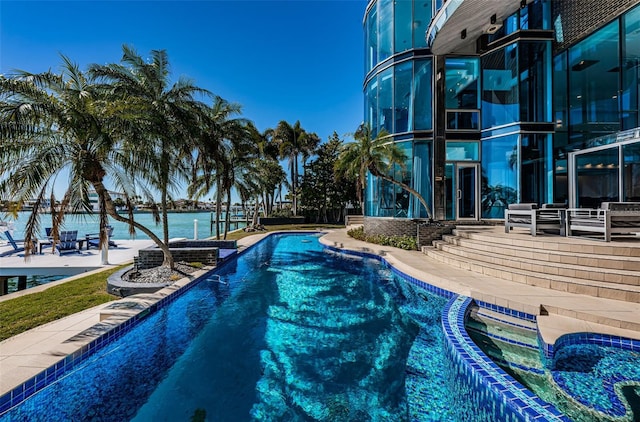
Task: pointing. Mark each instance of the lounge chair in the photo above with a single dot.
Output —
(14, 243)
(68, 242)
(93, 239)
(45, 242)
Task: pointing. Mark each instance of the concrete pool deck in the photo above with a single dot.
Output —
(25, 355)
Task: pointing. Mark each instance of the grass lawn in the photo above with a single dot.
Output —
(26, 312)
(29, 311)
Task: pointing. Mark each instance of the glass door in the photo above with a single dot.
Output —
(467, 191)
(462, 191)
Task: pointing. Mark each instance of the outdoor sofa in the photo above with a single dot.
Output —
(612, 218)
(551, 217)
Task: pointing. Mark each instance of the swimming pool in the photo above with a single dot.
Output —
(288, 332)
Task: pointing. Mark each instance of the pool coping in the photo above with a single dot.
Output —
(117, 322)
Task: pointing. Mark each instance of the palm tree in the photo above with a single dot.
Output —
(166, 113)
(221, 147)
(292, 142)
(52, 123)
(376, 156)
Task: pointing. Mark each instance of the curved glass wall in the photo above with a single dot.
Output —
(399, 99)
(385, 199)
(395, 26)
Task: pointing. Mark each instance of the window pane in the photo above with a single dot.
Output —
(535, 81)
(462, 151)
(371, 105)
(422, 13)
(461, 83)
(421, 178)
(593, 75)
(631, 70)
(372, 39)
(631, 175)
(404, 176)
(499, 180)
(403, 73)
(385, 101)
(385, 29)
(500, 87)
(597, 174)
(533, 168)
(402, 25)
(422, 96)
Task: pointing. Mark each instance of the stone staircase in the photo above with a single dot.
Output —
(608, 270)
(353, 219)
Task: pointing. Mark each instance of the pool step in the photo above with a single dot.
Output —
(509, 341)
(551, 262)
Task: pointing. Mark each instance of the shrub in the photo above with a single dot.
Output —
(408, 243)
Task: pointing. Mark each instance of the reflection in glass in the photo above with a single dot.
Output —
(422, 13)
(630, 100)
(385, 101)
(500, 87)
(462, 151)
(402, 95)
(461, 83)
(499, 175)
(421, 177)
(597, 178)
(371, 56)
(535, 83)
(533, 168)
(422, 95)
(385, 29)
(371, 106)
(402, 25)
(593, 91)
(631, 173)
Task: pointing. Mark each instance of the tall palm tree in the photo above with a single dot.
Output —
(377, 156)
(294, 141)
(168, 113)
(221, 146)
(51, 123)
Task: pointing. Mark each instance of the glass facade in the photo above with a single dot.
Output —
(399, 101)
(509, 116)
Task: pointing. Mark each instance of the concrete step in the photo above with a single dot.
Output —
(354, 219)
(613, 262)
(607, 290)
(504, 257)
(552, 243)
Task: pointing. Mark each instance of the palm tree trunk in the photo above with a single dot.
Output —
(111, 210)
(254, 222)
(218, 207)
(227, 217)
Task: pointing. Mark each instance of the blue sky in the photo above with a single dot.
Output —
(281, 60)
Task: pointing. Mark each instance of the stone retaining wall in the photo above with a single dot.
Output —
(406, 227)
(205, 251)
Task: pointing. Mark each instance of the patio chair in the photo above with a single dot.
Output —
(14, 243)
(45, 242)
(93, 239)
(68, 242)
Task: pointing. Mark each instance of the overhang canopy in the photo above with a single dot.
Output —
(459, 23)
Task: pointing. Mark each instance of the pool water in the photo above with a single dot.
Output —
(33, 281)
(587, 382)
(291, 332)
